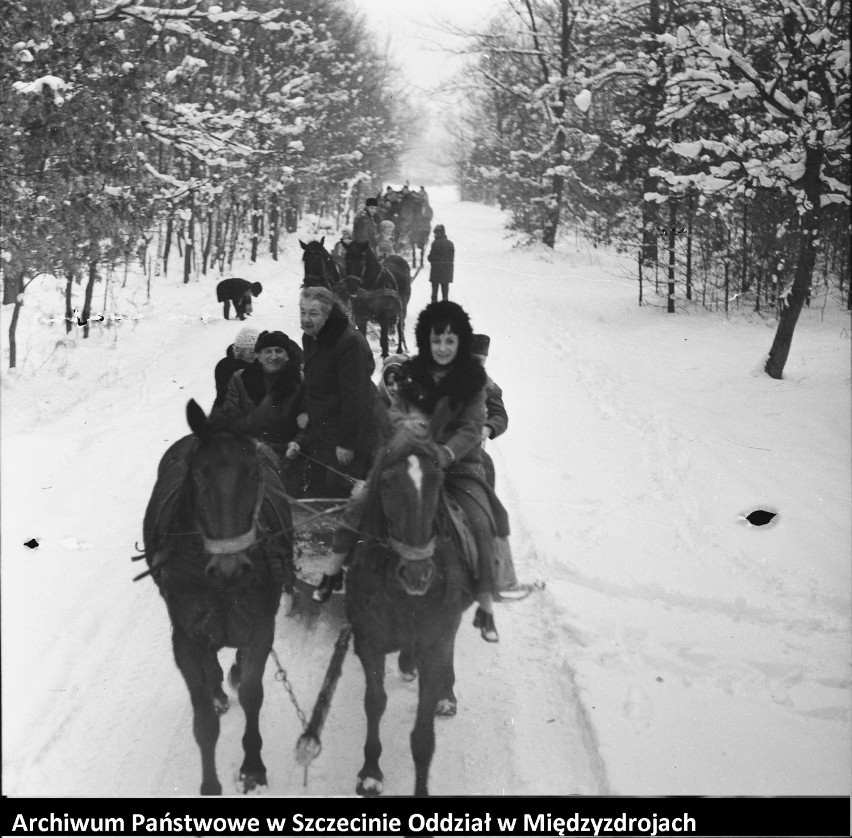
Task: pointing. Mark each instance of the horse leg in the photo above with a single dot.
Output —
(447, 704)
(252, 665)
(205, 721)
(423, 735)
(214, 676)
(226, 309)
(370, 776)
(407, 664)
(383, 337)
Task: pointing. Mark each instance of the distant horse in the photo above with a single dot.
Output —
(414, 224)
(378, 291)
(406, 590)
(218, 543)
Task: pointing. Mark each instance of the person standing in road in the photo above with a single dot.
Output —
(442, 255)
(366, 225)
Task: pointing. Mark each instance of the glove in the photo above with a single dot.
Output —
(302, 420)
(446, 457)
(293, 450)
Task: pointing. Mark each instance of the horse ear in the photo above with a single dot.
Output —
(304, 246)
(322, 241)
(440, 417)
(196, 418)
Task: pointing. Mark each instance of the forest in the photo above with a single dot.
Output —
(710, 140)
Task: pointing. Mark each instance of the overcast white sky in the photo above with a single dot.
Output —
(413, 26)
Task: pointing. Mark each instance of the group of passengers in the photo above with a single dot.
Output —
(317, 406)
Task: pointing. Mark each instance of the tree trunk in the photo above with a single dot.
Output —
(689, 250)
(87, 300)
(189, 246)
(670, 306)
(801, 287)
(69, 311)
(13, 291)
(274, 229)
(255, 226)
(168, 244)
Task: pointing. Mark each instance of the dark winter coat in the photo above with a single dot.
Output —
(233, 289)
(441, 257)
(497, 419)
(366, 228)
(338, 391)
(464, 385)
(223, 372)
(264, 405)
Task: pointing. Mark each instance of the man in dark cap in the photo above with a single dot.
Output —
(442, 255)
(366, 225)
(497, 420)
(239, 292)
(260, 399)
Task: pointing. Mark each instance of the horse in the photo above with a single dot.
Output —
(406, 589)
(414, 224)
(321, 270)
(378, 291)
(218, 544)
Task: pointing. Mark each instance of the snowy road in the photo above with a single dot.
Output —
(675, 650)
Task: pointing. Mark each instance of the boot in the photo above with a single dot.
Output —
(485, 623)
(328, 585)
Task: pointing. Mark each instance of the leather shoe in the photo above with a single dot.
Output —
(328, 585)
(485, 623)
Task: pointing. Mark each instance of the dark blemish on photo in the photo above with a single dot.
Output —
(760, 517)
(32, 544)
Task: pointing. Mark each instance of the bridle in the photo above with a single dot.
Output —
(238, 543)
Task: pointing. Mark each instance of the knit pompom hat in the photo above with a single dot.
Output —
(246, 338)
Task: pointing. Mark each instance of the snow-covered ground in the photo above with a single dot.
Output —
(676, 649)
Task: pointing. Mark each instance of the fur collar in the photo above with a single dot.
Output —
(284, 384)
(331, 332)
(464, 380)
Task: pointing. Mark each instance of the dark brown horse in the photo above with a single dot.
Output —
(379, 291)
(406, 590)
(218, 543)
(321, 270)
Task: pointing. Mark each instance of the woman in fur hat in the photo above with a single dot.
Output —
(261, 398)
(445, 367)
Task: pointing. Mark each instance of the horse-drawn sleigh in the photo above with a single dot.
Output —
(371, 290)
(223, 541)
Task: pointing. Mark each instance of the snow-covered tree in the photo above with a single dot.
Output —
(797, 144)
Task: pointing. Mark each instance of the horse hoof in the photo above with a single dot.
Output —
(369, 787)
(252, 782)
(408, 677)
(234, 676)
(446, 707)
(221, 704)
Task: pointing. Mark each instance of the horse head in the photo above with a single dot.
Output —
(410, 484)
(356, 257)
(320, 268)
(227, 489)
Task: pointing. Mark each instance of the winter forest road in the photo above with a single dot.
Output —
(93, 704)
